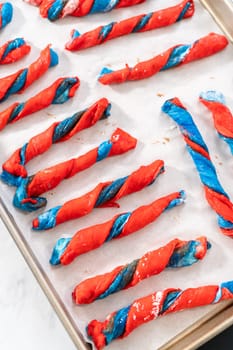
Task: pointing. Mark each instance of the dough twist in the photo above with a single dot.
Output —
(173, 57)
(21, 80)
(55, 9)
(176, 253)
(57, 93)
(121, 225)
(223, 118)
(14, 168)
(105, 194)
(122, 322)
(13, 50)
(215, 194)
(26, 196)
(136, 24)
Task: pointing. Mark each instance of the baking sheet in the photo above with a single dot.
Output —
(135, 108)
(220, 10)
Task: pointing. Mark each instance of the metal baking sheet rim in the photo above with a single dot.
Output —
(220, 11)
(207, 327)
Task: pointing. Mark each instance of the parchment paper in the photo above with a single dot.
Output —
(135, 108)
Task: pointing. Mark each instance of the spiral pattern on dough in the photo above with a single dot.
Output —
(105, 194)
(176, 253)
(13, 50)
(120, 323)
(136, 24)
(27, 194)
(173, 57)
(223, 118)
(121, 225)
(217, 198)
(14, 168)
(18, 82)
(57, 93)
(55, 9)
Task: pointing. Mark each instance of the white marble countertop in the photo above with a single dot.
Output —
(27, 320)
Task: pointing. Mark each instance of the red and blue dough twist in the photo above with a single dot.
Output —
(6, 14)
(18, 82)
(27, 194)
(121, 225)
(14, 169)
(13, 50)
(175, 254)
(55, 9)
(121, 323)
(175, 56)
(136, 24)
(59, 92)
(105, 194)
(223, 118)
(214, 192)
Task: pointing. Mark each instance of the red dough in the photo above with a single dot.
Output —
(83, 8)
(49, 178)
(21, 80)
(175, 254)
(40, 101)
(121, 323)
(93, 237)
(13, 50)
(40, 143)
(78, 207)
(173, 57)
(136, 24)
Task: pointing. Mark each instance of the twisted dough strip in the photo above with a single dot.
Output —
(215, 194)
(13, 50)
(103, 195)
(121, 225)
(55, 9)
(223, 118)
(136, 24)
(122, 322)
(173, 57)
(26, 196)
(176, 253)
(6, 14)
(59, 92)
(14, 168)
(21, 80)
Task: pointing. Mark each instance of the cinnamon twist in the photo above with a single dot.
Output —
(176, 253)
(21, 80)
(26, 195)
(214, 192)
(136, 24)
(121, 225)
(223, 118)
(105, 194)
(173, 57)
(14, 168)
(13, 50)
(121, 323)
(55, 9)
(6, 14)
